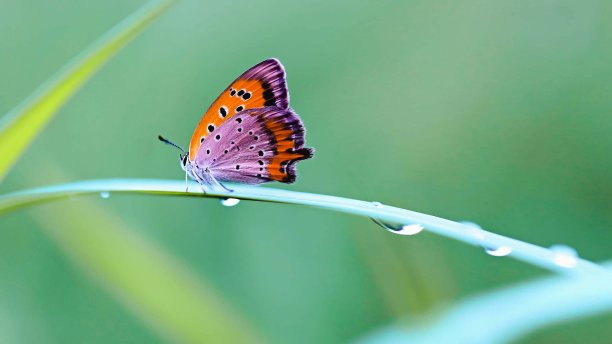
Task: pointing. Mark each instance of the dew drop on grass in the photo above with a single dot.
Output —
(411, 229)
(229, 202)
(474, 229)
(105, 194)
(471, 224)
(565, 256)
(500, 251)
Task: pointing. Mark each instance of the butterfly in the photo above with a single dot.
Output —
(249, 134)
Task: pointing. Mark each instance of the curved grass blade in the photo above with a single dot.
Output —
(529, 253)
(21, 125)
(507, 315)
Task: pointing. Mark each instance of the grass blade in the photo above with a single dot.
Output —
(526, 252)
(507, 315)
(150, 283)
(22, 124)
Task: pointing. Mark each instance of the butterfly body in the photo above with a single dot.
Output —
(249, 134)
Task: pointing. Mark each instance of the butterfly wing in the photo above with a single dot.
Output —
(262, 85)
(256, 146)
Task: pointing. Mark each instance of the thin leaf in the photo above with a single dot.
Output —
(469, 234)
(507, 315)
(23, 123)
(149, 282)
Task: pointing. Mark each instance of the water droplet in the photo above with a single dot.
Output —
(474, 229)
(394, 227)
(230, 202)
(500, 251)
(105, 194)
(411, 229)
(471, 224)
(565, 256)
(377, 204)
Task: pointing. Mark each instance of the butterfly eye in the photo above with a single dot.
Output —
(184, 160)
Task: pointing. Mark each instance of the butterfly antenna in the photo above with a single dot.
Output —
(166, 141)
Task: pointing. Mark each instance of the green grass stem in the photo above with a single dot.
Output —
(559, 261)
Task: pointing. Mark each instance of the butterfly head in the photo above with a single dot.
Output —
(184, 160)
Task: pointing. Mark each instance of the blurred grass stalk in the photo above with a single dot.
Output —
(150, 283)
(559, 261)
(21, 125)
(161, 291)
(511, 313)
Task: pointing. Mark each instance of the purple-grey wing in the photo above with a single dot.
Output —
(255, 146)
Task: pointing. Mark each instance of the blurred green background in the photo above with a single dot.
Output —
(493, 112)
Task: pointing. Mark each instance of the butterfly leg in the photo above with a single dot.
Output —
(217, 183)
(201, 176)
(226, 189)
(205, 178)
(203, 188)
